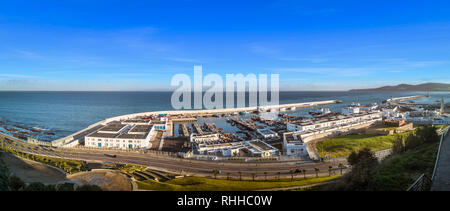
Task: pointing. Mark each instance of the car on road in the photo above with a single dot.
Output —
(110, 155)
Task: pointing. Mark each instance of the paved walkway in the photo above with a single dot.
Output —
(297, 187)
(442, 177)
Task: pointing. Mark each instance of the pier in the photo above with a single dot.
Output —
(197, 128)
(183, 129)
(211, 127)
(407, 98)
(243, 123)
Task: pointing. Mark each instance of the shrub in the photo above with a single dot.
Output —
(16, 183)
(36, 186)
(89, 188)
(66, 187)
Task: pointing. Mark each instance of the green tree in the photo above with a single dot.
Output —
(66, 187)
(16, 183)
(215, 172)
(317, 170)
(398, 145)
(36, 186)
(292, 171)
(356, 157)
(341, 166)
(363, 172)
(412, 141)
(253, 176)
(427, 134)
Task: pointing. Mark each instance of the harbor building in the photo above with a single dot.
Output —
(293, 144)
(121, 136)
(253, 148)
(267, 133)
(326, 123)
(204, 137)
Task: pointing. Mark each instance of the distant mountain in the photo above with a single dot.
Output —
(427, 87)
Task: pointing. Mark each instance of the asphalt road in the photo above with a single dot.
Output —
(441, 181)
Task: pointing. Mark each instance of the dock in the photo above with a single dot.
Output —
(197, 128)
(211, 127)
(183, 129)
(407, 98)
(243, 123)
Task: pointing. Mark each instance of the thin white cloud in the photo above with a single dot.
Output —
(187, 60)
(328, 71)
(409, 62)
(311, 59)
(16, 76)
(262, 49)
(26, 54)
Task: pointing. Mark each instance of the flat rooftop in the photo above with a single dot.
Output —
(137, 121)
(311, 121)
(260, 145)
(112, 127)
(266, 131)
(290, 138)
(141, 129)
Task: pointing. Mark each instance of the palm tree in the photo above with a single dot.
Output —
(341, 166)
(215, 172)
(329, 170)
(265, 175)
(240, 175)
(317, 171)
(304, 173)
(253, 176)
(292, 171)
(279, 173)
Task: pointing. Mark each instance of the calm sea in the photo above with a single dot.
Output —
(63, 113)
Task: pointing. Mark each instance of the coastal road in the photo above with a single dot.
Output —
(179, 165)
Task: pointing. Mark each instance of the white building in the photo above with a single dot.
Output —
(267, 133)
(255, 148)
(441, 121)
(350, 110)
(121, 136)
(333, 122)
(206, 137)
(293, 145)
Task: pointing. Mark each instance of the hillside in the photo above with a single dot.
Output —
(426, 87)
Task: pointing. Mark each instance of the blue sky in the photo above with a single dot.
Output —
(140, 45)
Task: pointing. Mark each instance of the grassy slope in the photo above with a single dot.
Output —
(342, 146)
(384, 127)
(208, 184)
(399, 171)
(70, 166)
